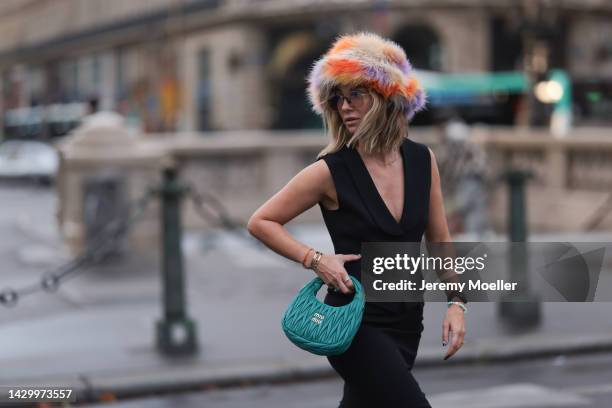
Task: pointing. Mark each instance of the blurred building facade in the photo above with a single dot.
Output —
(206, 65)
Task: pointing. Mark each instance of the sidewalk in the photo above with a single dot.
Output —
(96, 334)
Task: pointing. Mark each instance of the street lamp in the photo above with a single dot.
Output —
(536, 53)
(548, 91)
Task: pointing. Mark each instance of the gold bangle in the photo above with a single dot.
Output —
(315, 260)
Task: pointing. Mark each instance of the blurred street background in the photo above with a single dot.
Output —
(138, 136)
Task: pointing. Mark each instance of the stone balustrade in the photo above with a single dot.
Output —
(242, 169)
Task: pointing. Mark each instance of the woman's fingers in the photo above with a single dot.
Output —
(342, 286)
(348, 282)
(351, 257)
(458, 335)
(338, 283)
(445, 330)
(326, 278)
(458, 340)
(455, 346)
(334, 275)
(452, 349)
(330, 280)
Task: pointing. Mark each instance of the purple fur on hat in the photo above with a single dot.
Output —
(367, 58)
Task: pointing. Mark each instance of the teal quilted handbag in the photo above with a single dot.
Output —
(319, 328)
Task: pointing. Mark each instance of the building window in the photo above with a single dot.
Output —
(204, 91)
(291, 53)
(422, 46)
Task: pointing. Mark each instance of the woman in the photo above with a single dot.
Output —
(374, 184)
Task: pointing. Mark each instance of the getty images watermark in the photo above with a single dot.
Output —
(487, 271)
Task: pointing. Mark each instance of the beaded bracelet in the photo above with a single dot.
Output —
(461, 305)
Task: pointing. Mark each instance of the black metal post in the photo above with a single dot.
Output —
(517, 216)
(176, 333)
(521, 308)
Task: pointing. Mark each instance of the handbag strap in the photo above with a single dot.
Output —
(313, 287)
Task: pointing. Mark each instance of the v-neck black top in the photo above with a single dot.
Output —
(363, 216)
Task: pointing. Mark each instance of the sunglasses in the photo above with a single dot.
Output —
(356, 99)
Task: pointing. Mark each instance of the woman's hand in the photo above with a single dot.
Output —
(455, 323)
(331, 269)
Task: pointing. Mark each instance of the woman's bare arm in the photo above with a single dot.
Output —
(437, 231)
(303, 191)
(437, 227)
(308, 187)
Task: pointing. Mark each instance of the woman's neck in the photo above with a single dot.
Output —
(382, 159)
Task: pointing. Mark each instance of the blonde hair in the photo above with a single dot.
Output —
(382, 130)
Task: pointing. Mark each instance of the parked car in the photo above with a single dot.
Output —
(28, 159)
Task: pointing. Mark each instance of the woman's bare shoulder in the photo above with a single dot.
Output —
(316, 173)
(317, 176)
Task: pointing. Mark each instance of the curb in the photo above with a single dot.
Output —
(185, 376)
(517, 348)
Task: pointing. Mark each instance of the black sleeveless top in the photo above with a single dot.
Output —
(363, 216)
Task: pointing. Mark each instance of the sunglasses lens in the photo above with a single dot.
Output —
(356, 100)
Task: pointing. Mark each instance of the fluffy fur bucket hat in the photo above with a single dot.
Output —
(366, 58)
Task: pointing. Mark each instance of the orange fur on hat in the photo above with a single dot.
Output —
(367, 58)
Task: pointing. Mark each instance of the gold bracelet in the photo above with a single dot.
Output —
(315, 260)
